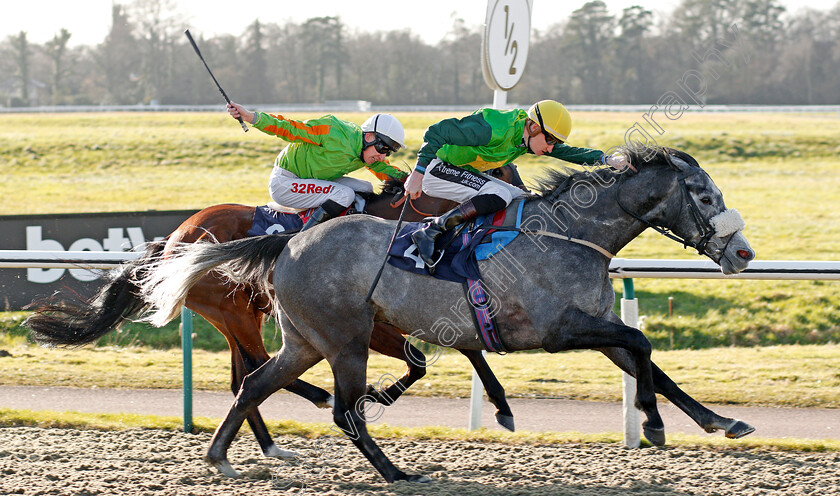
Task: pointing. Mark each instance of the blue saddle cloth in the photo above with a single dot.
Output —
(460, 257)
(270, 221)
(458, 263)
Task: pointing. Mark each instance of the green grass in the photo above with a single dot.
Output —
(781, 171)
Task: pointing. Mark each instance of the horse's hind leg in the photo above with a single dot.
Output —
(349, 368)
(295, 358)
(386, 339)
(238, 327)
(579, 330)
(495, 391)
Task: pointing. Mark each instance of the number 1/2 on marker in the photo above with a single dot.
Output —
(511, 45)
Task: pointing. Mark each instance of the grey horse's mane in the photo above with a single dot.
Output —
(556, 181)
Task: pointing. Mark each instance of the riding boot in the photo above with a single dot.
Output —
(425, 238)
(328, 210)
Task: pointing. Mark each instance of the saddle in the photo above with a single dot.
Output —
(273, 218)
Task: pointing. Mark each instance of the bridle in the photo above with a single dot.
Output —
(705, 229)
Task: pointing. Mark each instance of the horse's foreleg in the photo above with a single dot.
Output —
(705, 418)
(495, 391)
(386, 339)
(349, 368)
(579, 330)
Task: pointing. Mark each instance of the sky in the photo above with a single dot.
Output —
(89, 20)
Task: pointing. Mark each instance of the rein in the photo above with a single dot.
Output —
(703, 227)
(539, 232)
(399, 202)
(583, 242)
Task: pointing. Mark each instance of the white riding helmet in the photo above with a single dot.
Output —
(387, 128)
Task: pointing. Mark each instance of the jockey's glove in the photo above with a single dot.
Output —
(618, 161)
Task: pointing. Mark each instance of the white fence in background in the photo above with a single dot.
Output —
(620, 268)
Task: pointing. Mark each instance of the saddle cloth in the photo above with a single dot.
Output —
(270, 221)
(459, 263)
(273, 219)
(461, 253)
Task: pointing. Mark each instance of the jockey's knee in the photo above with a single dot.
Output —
(343, 195)
(486, 203)
(502, 192)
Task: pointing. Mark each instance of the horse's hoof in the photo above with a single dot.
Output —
(654, 435)
(505, 421)
(423, 479)
(738, 429)
(732, 428)
(274, 452)
(224, 467)
(328, 403)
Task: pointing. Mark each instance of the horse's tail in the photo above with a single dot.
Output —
(246, 261)
(72, 320)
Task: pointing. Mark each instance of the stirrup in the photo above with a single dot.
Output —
(432, 266)
(457, 232)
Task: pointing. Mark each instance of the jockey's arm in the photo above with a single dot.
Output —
(384, 170)
(589, 156)
(578, 155)
(472, 130)
(312, 131)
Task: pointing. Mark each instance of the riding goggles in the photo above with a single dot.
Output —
(383, 144)
(550, 140)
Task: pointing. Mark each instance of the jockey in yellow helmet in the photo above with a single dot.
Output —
(456, 152)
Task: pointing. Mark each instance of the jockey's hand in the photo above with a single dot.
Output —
(619, 162)
(236, 111)
(414, 185)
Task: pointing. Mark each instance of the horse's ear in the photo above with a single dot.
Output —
(678, 163)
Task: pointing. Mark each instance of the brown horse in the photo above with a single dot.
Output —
(238, 312)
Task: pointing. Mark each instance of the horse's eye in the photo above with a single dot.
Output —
(706, 200)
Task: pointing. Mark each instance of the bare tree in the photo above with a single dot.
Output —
(591, 32)
(118, 60)
(22, 53)
(460, 52)
(288, 62)
(158, 25)
(324, 46)
(256, 87)
(56, 50)
(633, 64)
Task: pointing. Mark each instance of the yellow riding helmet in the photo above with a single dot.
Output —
(553, 118)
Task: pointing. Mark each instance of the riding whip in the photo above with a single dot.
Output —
(387, 252)
(198, 52)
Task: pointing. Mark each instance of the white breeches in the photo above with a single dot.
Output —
(291, 191)
(443, 180)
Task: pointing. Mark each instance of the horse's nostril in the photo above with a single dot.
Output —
(745, 254)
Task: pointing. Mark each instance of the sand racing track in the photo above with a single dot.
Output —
(36, 461)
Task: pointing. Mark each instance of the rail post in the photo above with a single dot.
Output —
(186, 350)
(476, 397)
(632, 419)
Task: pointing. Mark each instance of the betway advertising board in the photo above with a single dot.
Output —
(113, 231)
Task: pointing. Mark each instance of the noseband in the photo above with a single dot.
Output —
(705, 229)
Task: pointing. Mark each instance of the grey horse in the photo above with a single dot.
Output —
(552, 292)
